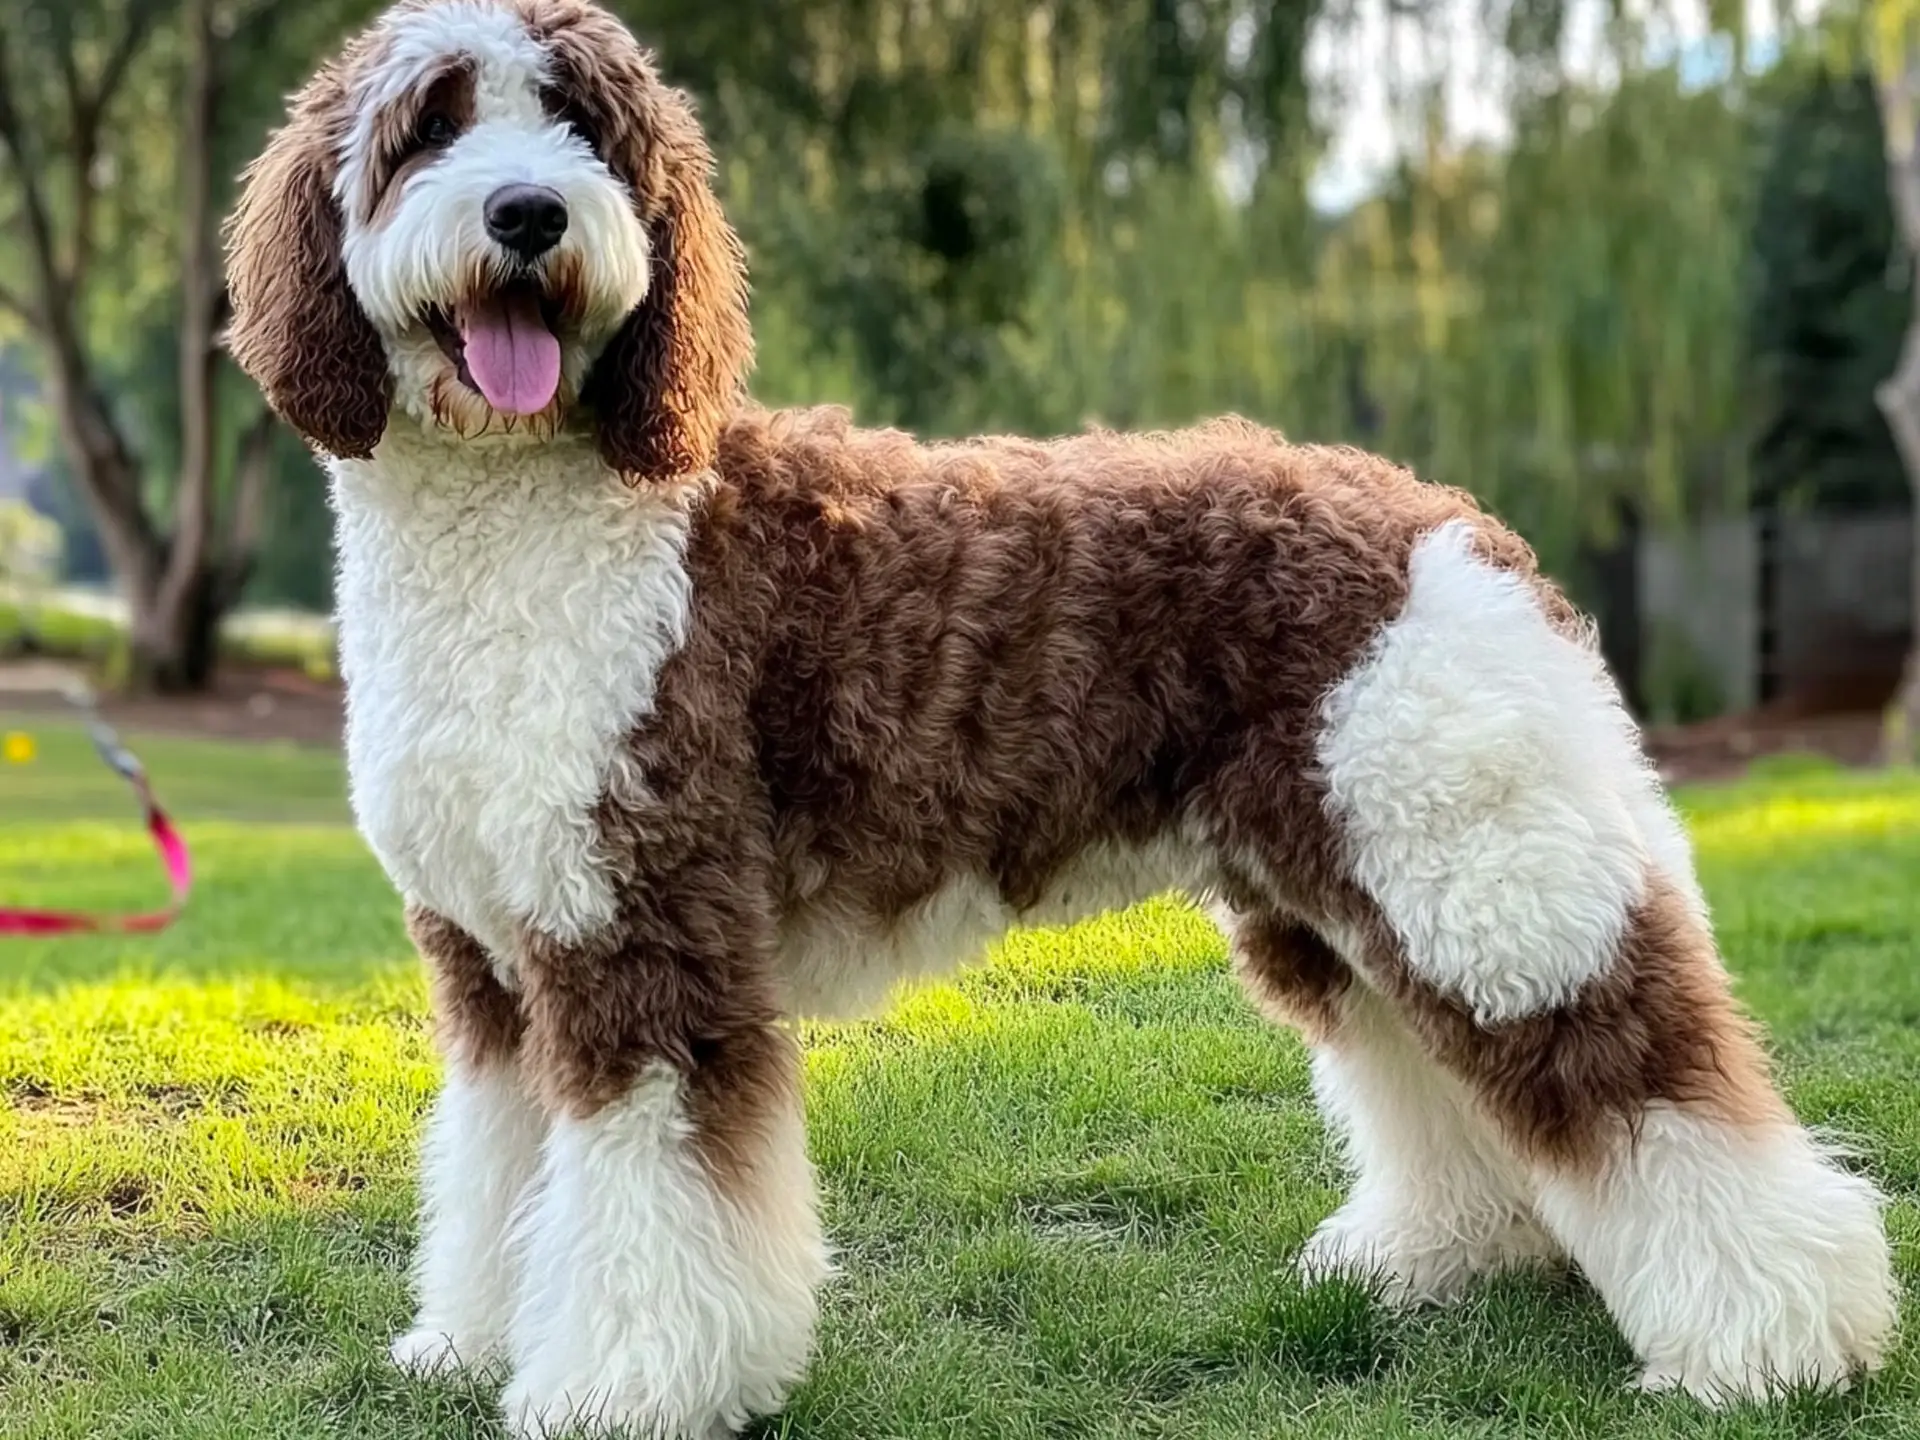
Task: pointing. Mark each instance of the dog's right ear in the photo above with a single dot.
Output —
(676, 371)
(297, 328)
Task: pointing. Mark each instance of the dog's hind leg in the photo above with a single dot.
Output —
(482, 1146)
(1438, 1197)
(1529, 906)
(1736, 1254)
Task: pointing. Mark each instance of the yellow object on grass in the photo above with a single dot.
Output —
(18, 748)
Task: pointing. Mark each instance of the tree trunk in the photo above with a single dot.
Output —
(1899, 396)
(173, 611)
(199, 298)
(178, 578)
(175, 627)
(175, 576)
(173, 643)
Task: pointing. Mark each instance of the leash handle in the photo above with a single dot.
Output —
(166, 840)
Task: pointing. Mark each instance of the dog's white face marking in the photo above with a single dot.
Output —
(494, 251)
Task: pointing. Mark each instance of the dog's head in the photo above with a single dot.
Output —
(492, 216)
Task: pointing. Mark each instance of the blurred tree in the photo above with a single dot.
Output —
(120, 121)
(1026, 215)
(29, 548)
(1824, 320)
(1896, 42)
(929, 191)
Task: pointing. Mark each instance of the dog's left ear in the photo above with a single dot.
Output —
(673, 374)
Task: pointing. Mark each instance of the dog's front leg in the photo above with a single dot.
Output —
(673, 1250)
(481, 1150)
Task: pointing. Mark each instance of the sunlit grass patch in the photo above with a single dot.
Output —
(1768, 821)
(1065, 1188)
(186, 1106)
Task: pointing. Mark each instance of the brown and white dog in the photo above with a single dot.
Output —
(673, 719)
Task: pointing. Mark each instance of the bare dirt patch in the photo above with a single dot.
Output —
(1725, 747)
(246, 703)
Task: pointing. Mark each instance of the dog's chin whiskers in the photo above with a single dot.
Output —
(465, 415)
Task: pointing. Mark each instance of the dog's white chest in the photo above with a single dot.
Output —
(503, 619)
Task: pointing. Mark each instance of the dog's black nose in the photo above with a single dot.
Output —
(528, 219)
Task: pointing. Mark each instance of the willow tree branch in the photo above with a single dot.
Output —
(87, 108)
(142, 15)
(33, 200)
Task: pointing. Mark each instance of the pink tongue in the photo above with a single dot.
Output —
(511, 355)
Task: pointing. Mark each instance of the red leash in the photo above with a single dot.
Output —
(173, 850)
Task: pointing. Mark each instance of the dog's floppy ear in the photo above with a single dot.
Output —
(297, 328)
(667, 382)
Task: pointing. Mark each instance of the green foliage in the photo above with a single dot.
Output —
(933, 196)
(29, 547)
(1829, 302)
(47, 627)
(931, 267)
(1596, 360)
(1008, 216)
(1064, 1190)
(969, 222)
(295, 565)
(1679, 682)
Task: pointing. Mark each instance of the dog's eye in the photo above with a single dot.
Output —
(574, 118)
(436, 130)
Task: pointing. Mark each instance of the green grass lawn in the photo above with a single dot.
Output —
(1066, 1190)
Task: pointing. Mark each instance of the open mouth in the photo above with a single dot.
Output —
(505, 346)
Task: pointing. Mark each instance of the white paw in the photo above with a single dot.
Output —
(1743, 1353)
(1419, 1264)
(1334, 1252)
(1723, 1387)
(1760, 1355)
(528, 1418)
(426, 1353)
(550, 1417)
(1786, 1284)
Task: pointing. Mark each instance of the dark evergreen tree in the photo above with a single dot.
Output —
(1828, 303)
